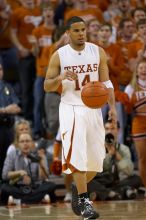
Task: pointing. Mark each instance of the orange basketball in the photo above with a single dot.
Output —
(94, 94)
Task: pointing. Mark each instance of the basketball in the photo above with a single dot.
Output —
(94, 94)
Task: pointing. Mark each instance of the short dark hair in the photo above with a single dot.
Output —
(141, 22)
(123, 21)
(73, 20)
(110, 122)
(137, 9)
(106, 24)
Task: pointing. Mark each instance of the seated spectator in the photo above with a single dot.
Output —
(9, 108)
(117, 181)
(24, 175)
(21, 126)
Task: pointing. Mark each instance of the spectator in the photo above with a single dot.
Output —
(24, 175)
(126, 40)
(21, 126)
(41, 38)
(115, 66)
(8, 52)
(138, 13)
(136, 91)
(23, 21)
(124, 7)
(111, 11)
(93, 26)
(117, 179)
(138, 51)
(9, 108)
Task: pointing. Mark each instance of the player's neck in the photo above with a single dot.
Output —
(77, 47)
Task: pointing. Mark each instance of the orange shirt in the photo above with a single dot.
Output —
(46, 55)
(136, 3)
(44, 37)
(14, 4)
(102, 4)
(86, 14)
(114, 64)
(5, 41)
(129, 50)
(24, 21)
(134, 48)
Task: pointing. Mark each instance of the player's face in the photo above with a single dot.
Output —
(77, 33)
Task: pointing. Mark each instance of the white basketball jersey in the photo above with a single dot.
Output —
(85, 63)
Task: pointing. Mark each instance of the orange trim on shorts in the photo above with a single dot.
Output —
(68, 166)
(67, 161)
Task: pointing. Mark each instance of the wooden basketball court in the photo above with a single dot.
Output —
(113, 210)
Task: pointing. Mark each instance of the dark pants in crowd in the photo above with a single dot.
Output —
(52, 100)
(10, 63)
(103, 184)
(28, 194)
(6, 138)
(27, 73)
(38, 111)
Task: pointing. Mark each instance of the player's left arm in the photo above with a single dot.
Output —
(104, 77)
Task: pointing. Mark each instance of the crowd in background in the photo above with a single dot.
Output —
(31, 30)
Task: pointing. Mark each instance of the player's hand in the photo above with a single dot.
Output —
(56, 158)
(69, 75)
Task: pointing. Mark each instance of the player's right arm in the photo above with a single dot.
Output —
(53, 77)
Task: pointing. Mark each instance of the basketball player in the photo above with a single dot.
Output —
(82, 129)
